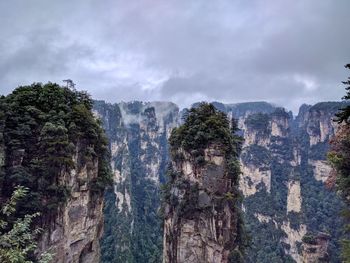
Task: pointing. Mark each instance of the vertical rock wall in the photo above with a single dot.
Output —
(283, 166)
(73, 235)
(315, 249)
(201, 224)
(51, 145)
(138, 135)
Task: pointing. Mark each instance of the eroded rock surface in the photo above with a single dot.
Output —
(282, 161)
(138, 134)
(73, 235)
(201, 225)
(315, 250)
(294, 197)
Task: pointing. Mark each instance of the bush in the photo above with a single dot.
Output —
(17, 240)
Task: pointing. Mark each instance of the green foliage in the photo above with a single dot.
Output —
(266, 238)
(110, 238)
(146, 238)
(203, 125)
(44, 128)
(339, 157)
(258, 121)
(319, 206)
(344, 114)
(318, 151)
(309, 239)
(17, 239)
(256, 155)
(345, 250)
(144, 242)
(236, 256)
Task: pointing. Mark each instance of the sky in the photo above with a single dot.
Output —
(286, 52)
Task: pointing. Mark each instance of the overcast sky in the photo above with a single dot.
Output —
(285, 52)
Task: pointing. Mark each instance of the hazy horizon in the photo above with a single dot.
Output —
(295, 113)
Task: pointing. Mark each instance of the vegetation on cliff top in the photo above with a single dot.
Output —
(205, 126)
(136, 150)
(258, 121)
(44, 128)
(329, 106)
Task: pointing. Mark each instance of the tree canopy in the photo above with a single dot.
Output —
(339, 157)
(43, 129)
(344, 114)
(205, 125)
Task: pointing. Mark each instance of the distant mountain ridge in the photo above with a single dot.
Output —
(283, 163)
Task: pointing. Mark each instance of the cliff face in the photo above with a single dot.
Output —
(317, 123)
(284, 166)
(200, 224)
(315, 249)
(51, 144)
(263, 136)
(73, 235)
(200, 208)
(283, 162)
(138, 134)
(270, 176)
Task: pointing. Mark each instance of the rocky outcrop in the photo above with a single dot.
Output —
(252, 177)
(294, 197)
(201, 225)
(321, 169)
(263, 135)
(293, 238)
(202, 221)
(319, 125)
(265, 219)
(138, 134)
(52, 145)
(73, 235)
(315, 249)
(153, 122)
(282, 162)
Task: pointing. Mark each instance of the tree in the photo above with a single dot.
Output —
(43, 128)
(344, 114)
(205, 128)
(17, 240)
(339, 157)
(46, 131)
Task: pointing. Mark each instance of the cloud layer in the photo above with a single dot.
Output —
(286, 52)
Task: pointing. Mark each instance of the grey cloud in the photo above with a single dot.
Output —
(286, 52)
